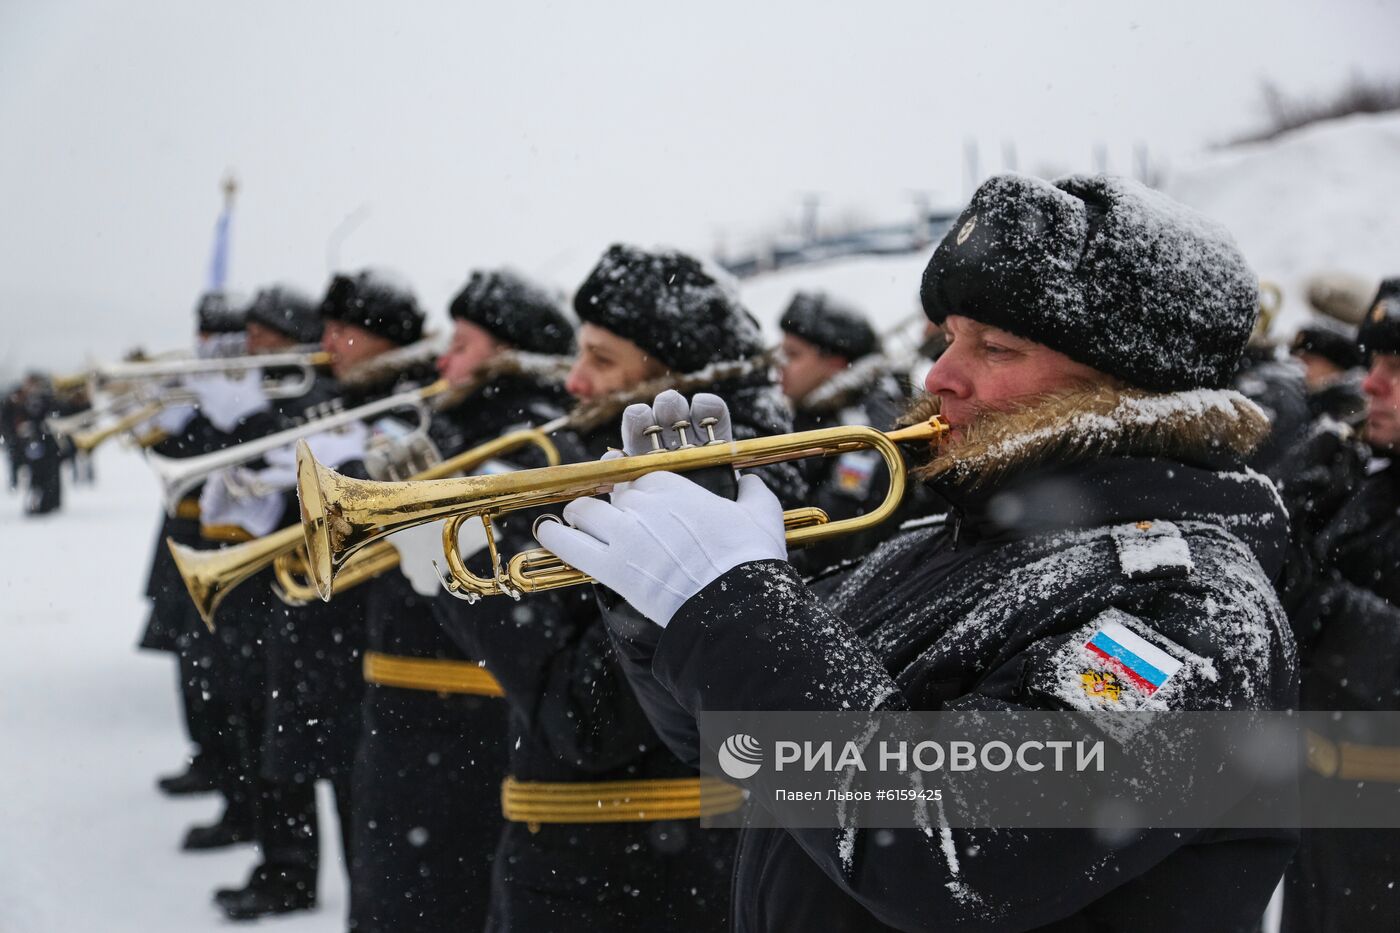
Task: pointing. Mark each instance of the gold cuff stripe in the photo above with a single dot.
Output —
(230, 533)
(438, 675)
(536, 802)
(1347, 761)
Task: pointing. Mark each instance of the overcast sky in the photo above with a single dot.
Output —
(441, 137)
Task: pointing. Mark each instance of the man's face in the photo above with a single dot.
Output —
(1318, 371)
(350, 345)
(1382, 388)
(608, 363)
(471, 346)
(806, 366)
(986, 368)
(263, 339)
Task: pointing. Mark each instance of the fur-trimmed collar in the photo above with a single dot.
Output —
(1195, 426)
(541, 368)
(414, 362)
(848, 387)
(594, 413)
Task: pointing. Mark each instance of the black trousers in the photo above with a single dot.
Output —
(621, 877)
(289, 830)
(428, 777)
(45, 484)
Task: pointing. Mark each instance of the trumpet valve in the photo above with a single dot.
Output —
(680, 427)
(654, 432)
(708, 425)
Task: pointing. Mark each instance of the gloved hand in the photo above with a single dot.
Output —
(227, 400)
(170, 421)
(338, 447)
(663, 538)
(669, 409)
(257, 515)
(421, 554)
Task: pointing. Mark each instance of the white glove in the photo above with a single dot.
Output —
(669, 408)
(664, 538)
(257, 515)
(227, 400)
(335, 448)
(170, 421)
(421, 554)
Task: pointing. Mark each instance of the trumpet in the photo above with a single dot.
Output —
(341, 515)
(212, 575)
(147, 370)
(179, 475)
(90, 440)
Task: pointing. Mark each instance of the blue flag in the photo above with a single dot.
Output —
(218, 262)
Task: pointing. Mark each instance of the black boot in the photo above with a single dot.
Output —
(229, 830)
(198, 778)
(270, 891)
(225, 896)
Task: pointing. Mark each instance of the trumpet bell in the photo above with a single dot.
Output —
(312, 478)
(211, 575)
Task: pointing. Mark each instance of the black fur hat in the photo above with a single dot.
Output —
(1104, 270)
(288, 311)
(1330, 344)
(669, 304)
(219, 313)
(515, 311)
(830, 324)
(1380, 330)
(375, 302)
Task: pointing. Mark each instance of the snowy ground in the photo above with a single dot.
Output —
(88, 722)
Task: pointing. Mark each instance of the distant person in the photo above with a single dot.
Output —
(833, 374)
(39, 450)
(1348, 629)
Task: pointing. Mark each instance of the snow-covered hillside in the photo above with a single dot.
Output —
(1319, 198)
(88, 722)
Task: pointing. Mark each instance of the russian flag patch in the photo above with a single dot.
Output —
(1132, 657)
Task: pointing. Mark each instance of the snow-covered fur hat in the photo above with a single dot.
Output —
(671, 305)
(829, 324)
(288, 311)
(1104, 270)
(376, 302)
(219, 312)
(515, 311)
(1380, 331)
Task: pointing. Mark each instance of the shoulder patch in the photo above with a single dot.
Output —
(1152, 550)
(1117, 662)
(855, 472)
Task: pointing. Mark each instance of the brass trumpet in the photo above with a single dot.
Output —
(211, 575)
(145, 370)
(341, 515)
(88, 441)
(179, 475)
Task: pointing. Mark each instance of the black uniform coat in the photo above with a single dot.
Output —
(315, 652)
(428, 767)
(989, 610)
(1347, 615)
(573, 718)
